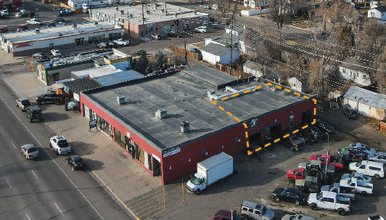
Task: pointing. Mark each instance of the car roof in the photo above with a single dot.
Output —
(34, 107)
(28, 146)
(252, 204)
(23, 99)
(60, 137)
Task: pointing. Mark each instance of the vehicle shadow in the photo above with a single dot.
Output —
(82, 148)
(93, 164)
(53, 116)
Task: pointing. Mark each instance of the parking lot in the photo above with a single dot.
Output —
(259, 175)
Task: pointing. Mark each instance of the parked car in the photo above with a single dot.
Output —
(329, 200)
(60, 9)
(226, 215)
(40, 56)
(72, 105)
(357, 186)
(18, 15)
(359, 176)
(195, 50)
(376, 217)
(325, 127)
(369, 168)
(349, 111)
(33, 112)
(378, 157)
(174, 33)
(56, 53)
(34, 21)
(312, 134)
(122, 42)
(201, 29)
(30, 151)
(156, 36)
(294, 142)
(23, 103)
(51, 24)
(112, 45)
(101, 45)
(289, 195)
(207, 7)
(138, 52)
(308, 184)
(50, 98)
(4, 12)
(76, 162)
(364, 147)
(3, 29)
(297, 217)
(57, 20)
(22, 27)
(253, 210)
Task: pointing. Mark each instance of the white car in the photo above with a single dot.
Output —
(60, 145)
(30, 151)
(4, 13)
(358, 186)
(56, 53)
(18, 15)
(201, 29)
(369, 168)
(122, 42)
(34, 21)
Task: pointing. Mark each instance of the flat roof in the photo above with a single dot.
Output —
(154, 12)
(118, 77)
(49, 32)
(184, 96)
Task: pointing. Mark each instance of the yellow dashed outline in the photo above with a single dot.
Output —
(246, 126)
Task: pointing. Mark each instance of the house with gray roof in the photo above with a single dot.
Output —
(379, 13)
(367, 103)
(215, 53)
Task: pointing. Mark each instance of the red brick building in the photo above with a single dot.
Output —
(169, 123)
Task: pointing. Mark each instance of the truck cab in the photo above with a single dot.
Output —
(297, 174)
(196, 184)
(331, 160)
(340, 190)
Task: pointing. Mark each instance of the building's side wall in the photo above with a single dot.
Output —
(354, 75)
(231, 141)
(294, 83)
(377, 113)
(208, 57)
(60, 42)
(65, 73)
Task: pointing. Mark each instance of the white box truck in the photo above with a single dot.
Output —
(209, 171)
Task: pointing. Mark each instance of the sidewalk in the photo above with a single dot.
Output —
(109, 163)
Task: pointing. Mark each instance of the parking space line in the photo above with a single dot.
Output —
(58, 208)
(13, 144)
(8, 183)
(35, 174)
(27, 216)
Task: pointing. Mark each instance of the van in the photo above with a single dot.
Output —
(253, 210)
(369, 168)
(349, 111)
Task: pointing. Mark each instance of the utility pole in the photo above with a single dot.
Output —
(230, 62)
(186, 53)
(143, 23)
(129, 27)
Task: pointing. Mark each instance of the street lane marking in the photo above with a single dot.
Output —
(58, 208)
(35, 174)
(8, 183)
(13, 144)
(77, 188)
(27, 216)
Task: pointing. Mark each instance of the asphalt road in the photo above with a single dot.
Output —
(45, 188)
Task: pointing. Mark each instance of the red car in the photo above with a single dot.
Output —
(22, 27)
(3, 29)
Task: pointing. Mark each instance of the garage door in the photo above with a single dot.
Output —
(352, 103)
(363, 109)
(86, 112)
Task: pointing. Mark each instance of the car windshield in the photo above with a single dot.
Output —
(367, 148)
(351, 174)
(78, 160)
(25, 102)
(359, 164)
(319, 195)
(32, 149)
(366, 177)
(195, 180)
(62, 143)
(263, 210)
(331, 187)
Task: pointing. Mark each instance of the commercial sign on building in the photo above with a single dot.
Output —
(170, 151)
(24, 44)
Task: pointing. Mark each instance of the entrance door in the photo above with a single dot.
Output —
(292, 124)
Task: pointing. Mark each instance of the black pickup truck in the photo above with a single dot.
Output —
(50, 98)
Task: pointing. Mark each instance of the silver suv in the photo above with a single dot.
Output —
(255, 211)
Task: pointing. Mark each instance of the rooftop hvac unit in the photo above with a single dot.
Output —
(37, 31)
(161, 113)
(175, 15)
(121, 99)
(74, 26)
(96, 23)
(195, 12)
(122, 12)
(184, 126)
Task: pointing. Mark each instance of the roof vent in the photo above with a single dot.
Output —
(96, 23)
(117, 9)
(122, 12)
(74, 26)
(121, 99)
(184, 127)
(161, 113)
(195, 12)
(131, 15)
(175, 15)
(37, 31)
(273, 88)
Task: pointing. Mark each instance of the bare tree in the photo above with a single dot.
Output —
(380, 76)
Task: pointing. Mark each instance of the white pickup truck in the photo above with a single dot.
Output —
(358, 186)
(329, 200)
(347, 192)
(60, 145)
